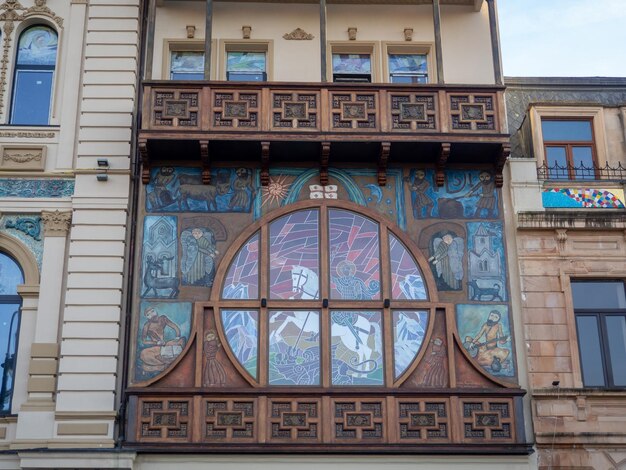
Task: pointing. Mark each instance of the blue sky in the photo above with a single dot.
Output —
(563, 37)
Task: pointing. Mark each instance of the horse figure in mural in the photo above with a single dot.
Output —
(354, 331)
(305, 322)
(304, 283)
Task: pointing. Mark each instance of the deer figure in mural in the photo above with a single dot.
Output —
(154, 283)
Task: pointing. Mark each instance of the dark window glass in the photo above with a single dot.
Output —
(599, 295)
(34, 71)
(590, 350)
(616, 332)
(559, 131)
(583, 162)
(557, 162)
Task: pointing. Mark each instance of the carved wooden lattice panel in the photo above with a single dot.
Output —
(423, 421)
(175, 108)
(232, 420)
(413, 111)
(232, 109)
(354, 110)
(488, 420)
(357, 420)
(296, 110)
(295, 421)
(475, 112)
(165, 419)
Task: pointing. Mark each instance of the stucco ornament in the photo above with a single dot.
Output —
(56, 223)
(298, 34)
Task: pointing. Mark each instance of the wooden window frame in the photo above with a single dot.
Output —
(247, 45)
(569, 145)
(355, 47)
(400, 48)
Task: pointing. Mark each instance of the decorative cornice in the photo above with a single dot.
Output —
(56, 223)
(27, 134)
(298, 34)
(592, 219)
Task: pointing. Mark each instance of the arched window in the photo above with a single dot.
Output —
(10, 302)
(34, 71)
(324, 296)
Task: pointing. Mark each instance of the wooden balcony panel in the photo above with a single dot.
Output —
(284, 111)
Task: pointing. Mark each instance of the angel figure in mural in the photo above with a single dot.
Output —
(486, 191)
(447, 259)
(159, 352)
(486, 345)
(213, 374)
(243, 191)
(421, 202)
(198, 262)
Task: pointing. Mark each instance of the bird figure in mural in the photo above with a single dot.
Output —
(375, 191)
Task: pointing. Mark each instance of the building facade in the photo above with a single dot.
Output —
(567, 183)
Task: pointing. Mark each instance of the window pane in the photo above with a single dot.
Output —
(253, 62)
(187, 65)
(10, 276)
(396, 78)
(408, 63)
(294, 349)
(357, 348)
(294, 256)
(37, 46)
(242, 280)
(9, 319)
(583, 162)
(354, 256)
(599, 295)
(590, 352)
(409, 328)
(406, 278)
(616, 333)
(31, 99)
(557, 163)
(561, 131)
(242, 333)
(352, 63)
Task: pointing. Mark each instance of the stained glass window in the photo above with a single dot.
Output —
(318, 316)
(352, 68)
(408, 68)
(245, 66)
(34, 71)
(10, 302)
(187, 65)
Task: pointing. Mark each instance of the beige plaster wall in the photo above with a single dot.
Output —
(466, 40)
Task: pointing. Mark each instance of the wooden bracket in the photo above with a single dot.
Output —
(206, 164)
(505, 151)
(440, 164)
(265, 163)
(142, 146)
(385, 149)
(324, 158)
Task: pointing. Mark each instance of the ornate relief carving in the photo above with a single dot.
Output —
(295, 420)
(27, 134)
(234, 109)
(31, 226)
(56, 223)
(179, 108)
(166, 419)
(17, 187)
(23, 158)
(473, 112)
(358, 420)
(295, 110)
(298, 34)
(231, 419)
(488, 420)
(423, 420)
(14, 12)
(413, 111)
(353, 111)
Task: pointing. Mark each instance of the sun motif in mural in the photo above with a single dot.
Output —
(276, 190)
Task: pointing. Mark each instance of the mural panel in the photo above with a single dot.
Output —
(294, 348)
(241, 328)
(446, 260)
(354, 256)
(198, 257)
(486, 334)
(180, 189)
(584, 198)
(465, 194)
(242, 279)
(409, 328)
(486, 263)
(357, 348)
(163, 332)
(160, 257)
(294, 256)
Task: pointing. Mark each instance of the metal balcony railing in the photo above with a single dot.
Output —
(582, 172)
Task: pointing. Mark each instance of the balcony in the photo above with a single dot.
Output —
(433, 124)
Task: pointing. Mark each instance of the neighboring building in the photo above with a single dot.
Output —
(567, 172)
(67, 94)
(321, 264)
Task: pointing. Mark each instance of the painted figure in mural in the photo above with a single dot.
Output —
(420, 201)
(487, 197)
(484, 345)
(213, 374)
(158, 352)
(447, 259)
(351, 287)
(243, 192)
(161, 195)
(354, 332)
(198, 263)
(435, 375)
(153, 282)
